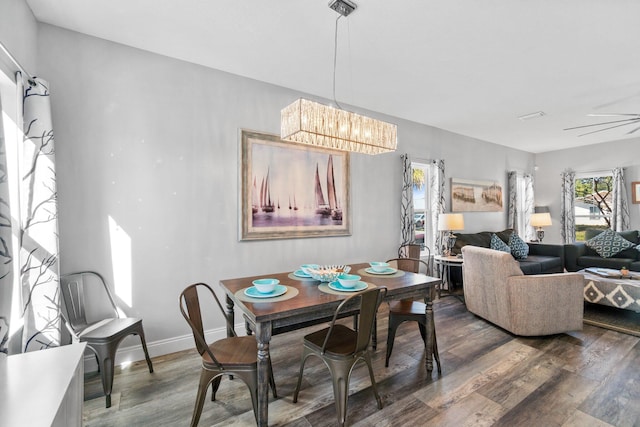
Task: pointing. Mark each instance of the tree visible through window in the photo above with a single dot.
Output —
(593, 203)
(420, 201)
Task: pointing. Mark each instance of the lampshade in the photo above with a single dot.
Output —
(311, 123)
(450, 221)
(541, 219)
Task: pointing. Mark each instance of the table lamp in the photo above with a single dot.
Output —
(539, 220)
(450, 222)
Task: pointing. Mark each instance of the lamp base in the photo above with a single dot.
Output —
(540, 234)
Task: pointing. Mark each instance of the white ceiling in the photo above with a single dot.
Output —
(467, 66)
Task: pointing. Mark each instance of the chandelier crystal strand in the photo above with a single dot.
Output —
(312, 123)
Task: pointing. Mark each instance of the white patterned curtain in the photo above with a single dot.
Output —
(6, 254)
(521, 204)
(619, 207)
(407, 231)
(38, 237)
(437, 195)
(567, 207)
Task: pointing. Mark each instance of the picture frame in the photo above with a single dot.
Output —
(291, 190)
(635, 192)
(476, 196)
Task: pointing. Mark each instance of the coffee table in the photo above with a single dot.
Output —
(612, 291)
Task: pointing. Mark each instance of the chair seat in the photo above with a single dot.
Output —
(106, 329)
(236, 351)
(342, 341)
(407, 307)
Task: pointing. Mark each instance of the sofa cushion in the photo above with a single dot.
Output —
(608, 243)
(481, 239)
(630, 235)
(519, 248)
(530, 267)
(548, 264)
(596, 261)
(498, 245)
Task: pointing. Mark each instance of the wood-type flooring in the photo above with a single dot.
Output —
(489, 378)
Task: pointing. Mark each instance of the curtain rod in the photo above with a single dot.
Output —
(30, 79)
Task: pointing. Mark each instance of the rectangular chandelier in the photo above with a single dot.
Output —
(311, 123)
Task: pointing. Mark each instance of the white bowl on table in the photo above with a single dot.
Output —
(379, 266)
(265, 286)
(348, 280)
(306, 267)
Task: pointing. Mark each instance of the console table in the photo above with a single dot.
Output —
(444, 263)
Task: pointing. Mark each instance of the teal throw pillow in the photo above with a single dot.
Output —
(519, 248)
(498, 245)
(609, 243)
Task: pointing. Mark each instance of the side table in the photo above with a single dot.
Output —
(444, 264)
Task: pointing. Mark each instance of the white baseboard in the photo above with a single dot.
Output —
(134, 353)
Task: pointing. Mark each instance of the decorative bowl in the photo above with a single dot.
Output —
(264, 286)
(305, 267)
(379, 266)
(328, 273)
(348, 280)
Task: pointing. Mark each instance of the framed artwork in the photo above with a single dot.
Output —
(292, 190)
(635, 192)
(475, 196)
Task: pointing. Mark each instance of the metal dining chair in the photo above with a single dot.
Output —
(408, 310)
(232, 356)
(341, 347)
(103, 332)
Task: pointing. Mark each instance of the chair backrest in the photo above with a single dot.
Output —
(367, 305)
(414, 250)
(191, 311)
(414, 265)
(83, 294)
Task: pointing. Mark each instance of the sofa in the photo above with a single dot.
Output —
(496, 289)
(579, 255)
(542, 258)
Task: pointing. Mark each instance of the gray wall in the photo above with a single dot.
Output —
(152, 143)
(597, 157)
(18, 33)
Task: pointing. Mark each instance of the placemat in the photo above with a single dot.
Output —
(324, 287)
(302, 279)
(291, 292)
(398, 273)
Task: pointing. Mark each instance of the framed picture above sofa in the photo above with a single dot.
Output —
(475, 196)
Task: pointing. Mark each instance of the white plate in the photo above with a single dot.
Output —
(300, 273)
(253, 292)
(336, 286)
(388, 270)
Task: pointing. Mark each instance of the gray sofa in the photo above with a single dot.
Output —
(579, 256)
(541, 304)
(542, 258)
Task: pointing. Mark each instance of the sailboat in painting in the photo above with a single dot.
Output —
(265, 196)
(322, 207)
(336, 212)
(254, 198)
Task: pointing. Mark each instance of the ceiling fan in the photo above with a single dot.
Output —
(630, 119)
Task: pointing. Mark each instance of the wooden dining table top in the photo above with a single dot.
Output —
(407, 285)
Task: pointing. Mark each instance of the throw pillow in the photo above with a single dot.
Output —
(519, 248)
(498, 245)
(608, 243)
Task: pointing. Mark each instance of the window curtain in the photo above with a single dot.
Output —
(521, 204)
(38, 234)
(407, 231)
(567, 208)
(619, 208)
(437, 196)
(6, 254)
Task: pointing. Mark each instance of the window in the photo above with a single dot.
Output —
(592, 202)
(421, 205)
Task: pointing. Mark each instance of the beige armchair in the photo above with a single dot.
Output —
(543, 304)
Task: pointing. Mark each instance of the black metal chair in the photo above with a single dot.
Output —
(341, 347)
(232, 356)
(102, 334)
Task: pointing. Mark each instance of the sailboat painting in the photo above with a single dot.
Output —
(312, 182)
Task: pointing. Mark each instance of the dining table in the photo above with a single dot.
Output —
(304, 301)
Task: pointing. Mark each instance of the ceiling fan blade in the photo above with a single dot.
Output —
(635, 119)
(613, 114)
(610, 127)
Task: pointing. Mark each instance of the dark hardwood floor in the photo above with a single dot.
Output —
(489, 378)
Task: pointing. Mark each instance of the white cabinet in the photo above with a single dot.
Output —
(43, 388)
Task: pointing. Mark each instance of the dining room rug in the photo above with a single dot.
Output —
(616, 319)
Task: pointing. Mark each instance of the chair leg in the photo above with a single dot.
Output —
(272, 380)
(105, 355)
(367, 359)
(391, 335)
(340, 373)
(215, 384)
(144, 347)
(297, 390)
(206, 377)
(374, 333)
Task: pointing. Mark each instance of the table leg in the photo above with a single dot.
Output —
(231, 316)
(430, 332)
(263, 336)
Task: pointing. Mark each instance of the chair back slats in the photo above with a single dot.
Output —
(413, 265)
(72, 289)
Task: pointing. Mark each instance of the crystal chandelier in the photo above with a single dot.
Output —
(312, 123)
